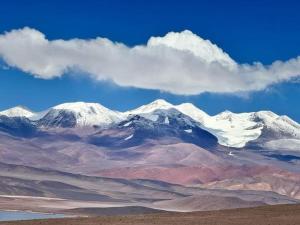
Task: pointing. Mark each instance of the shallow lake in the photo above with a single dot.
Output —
(18, 215)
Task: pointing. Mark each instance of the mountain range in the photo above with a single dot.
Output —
(231, 129)
(185, 156)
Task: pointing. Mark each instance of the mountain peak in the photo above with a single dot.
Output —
(192, 111)
(151, 107)
(86, 114)
(18, 111)
(80, 106)
(161, 102)
(231, 129)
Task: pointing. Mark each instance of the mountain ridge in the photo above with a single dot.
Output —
(231, 129)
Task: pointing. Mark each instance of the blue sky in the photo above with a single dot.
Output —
(248, 31)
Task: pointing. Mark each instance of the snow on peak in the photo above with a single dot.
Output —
(151, 107)
(161, 103)
(185, 108)
(90, 114)
(18, 111)
(233, 129)
(237, 129)
(265, 116)
(192, 111)
(78, 106)
(289, 121)
(279, 124)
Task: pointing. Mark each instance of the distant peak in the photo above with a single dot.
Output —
(192, 111)
(21, 107)
(88, 114)
(266, 113)
(188, 105)
(76, 105)
(18, 111)
(151, 107)
(160, 102)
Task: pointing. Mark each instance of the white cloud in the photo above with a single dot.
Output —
(180, 63)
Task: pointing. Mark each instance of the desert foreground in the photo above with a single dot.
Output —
(266, 215)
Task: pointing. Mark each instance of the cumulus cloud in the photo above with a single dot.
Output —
(179, 63)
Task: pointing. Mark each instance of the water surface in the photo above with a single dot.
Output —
(19, 215)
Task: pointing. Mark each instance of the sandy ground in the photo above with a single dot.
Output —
(267, 215)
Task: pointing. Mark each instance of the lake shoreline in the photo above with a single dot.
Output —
(275, 215)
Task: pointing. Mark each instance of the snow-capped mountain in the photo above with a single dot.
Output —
(151, 107)
(80, 114)
(193, 112)
(159, 104)
(277, 125)
(18, 111)
(231, 129)
(165, 124)
(238, 129)
(21, 111)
